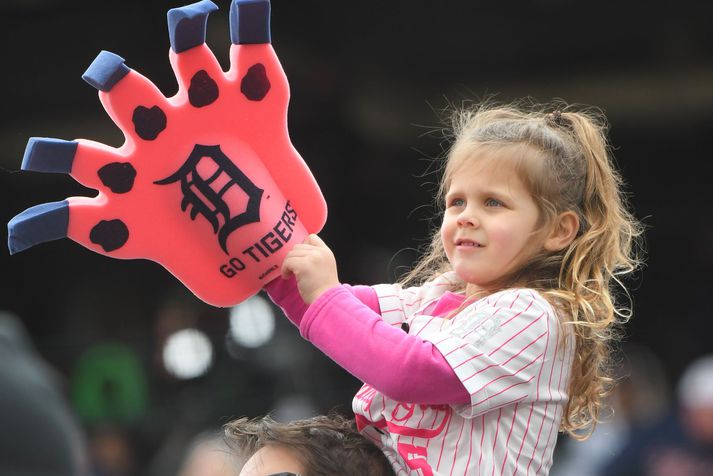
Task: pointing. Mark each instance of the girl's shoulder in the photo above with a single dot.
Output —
(447, 281)
(405, 301)
(439, 285)
(524, 300)
(516, 316)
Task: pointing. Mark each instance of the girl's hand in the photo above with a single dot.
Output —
(313, 265)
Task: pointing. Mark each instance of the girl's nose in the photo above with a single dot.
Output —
(468, 218)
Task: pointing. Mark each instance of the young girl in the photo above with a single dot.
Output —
(504, 339)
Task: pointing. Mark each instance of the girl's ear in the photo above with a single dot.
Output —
(564, 231)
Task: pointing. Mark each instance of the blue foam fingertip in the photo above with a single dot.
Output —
(250, 22)
(106, 70)
(187, 25)
(38, 224)
(44, 154)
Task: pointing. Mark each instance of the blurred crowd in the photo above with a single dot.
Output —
(651, 430)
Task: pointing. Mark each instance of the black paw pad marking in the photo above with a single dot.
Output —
(148, 123)
(110, 235)
(203, 90)
(255, 84)
(118, 176)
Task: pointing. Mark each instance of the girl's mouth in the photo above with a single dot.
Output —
(468, 243)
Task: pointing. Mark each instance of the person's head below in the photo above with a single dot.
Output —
(531, 199)
(208, 455)
(318, 446)
(695, 398)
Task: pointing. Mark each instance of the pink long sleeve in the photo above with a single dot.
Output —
(401, 366)
(285, 294)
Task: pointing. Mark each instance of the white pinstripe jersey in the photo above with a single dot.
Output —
(506, 350)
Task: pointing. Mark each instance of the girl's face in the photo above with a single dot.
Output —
(490, 221)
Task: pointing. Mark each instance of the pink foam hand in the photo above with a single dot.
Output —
(207, 182)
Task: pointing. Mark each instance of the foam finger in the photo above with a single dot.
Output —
(253, 62)
(92, 164)
(38, 224)
(198, 72)
(132, 101)
(96, 225)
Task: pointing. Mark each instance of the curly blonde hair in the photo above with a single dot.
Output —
(562, 156)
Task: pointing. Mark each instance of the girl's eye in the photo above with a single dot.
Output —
(492, 202)
(457, 202)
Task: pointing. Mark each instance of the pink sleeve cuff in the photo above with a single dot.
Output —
(285, 294)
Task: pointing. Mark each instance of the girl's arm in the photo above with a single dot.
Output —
(401, 366)
(285, 294)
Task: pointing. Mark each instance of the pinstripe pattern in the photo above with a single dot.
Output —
(504, 348)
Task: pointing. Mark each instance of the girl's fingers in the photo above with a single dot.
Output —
(315, 240)
(287, 268)
(293, 263)
(299, 253)
(301, 248)
(303, 256)
(285, 272)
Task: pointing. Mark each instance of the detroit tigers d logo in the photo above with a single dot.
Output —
(207, 176)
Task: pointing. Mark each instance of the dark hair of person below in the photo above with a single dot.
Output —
(325, 445)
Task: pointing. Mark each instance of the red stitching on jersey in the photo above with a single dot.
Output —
(495, 439)
(468, 360)
(455, 451)
(510, 359)
(418, 425)
(524, 436)
(503, 391)
(426, 325)
(470, 449)
(518, 314)
(547, 404)
(443, 438)
(457, 348)
(482, 436)
(515, 300)
(539, 433)
(517, 334)
(389, 296)
(547, 445)
(507, 442)
(392, 310)
(505, 376)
